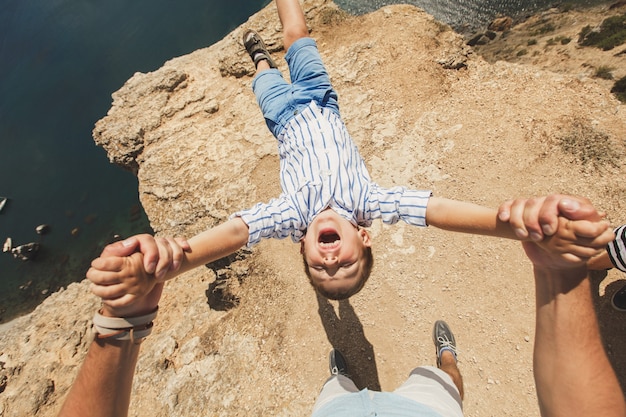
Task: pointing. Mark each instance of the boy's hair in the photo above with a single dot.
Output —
(342, 295)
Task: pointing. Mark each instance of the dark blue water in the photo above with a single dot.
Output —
(467, 15)
(60, 60)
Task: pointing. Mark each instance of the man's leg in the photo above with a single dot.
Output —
(339, 382)
(440, 389)
(292, 18)
(446, 353)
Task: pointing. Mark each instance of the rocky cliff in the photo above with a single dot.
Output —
(247, 336)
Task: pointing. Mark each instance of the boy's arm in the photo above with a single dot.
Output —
(213, 244)
(586, 238)
(461, 216)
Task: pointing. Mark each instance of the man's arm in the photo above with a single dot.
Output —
(572, 372)
(103, 385)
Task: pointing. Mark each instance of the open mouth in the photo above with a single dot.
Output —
(329, 239)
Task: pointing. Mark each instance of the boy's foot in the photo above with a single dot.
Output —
(337, 363)
(619, 299)
(443, 339)
(256, 48)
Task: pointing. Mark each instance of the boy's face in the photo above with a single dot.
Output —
(333, 249)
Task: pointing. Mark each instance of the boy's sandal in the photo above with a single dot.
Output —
(256, 48)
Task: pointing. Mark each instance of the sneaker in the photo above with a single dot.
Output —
(337, 363)
(443, 339)
(619, 299)
(256, 48)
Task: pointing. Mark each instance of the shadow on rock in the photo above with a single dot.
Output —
(345, 332)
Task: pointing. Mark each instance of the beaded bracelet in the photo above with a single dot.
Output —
(127, 328)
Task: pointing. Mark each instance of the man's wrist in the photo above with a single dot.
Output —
(550, 282)
(109, 311)
(134, 328)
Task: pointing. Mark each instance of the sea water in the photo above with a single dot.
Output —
(60, 60)
(466, 15)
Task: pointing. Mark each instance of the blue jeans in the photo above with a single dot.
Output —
(280, 101)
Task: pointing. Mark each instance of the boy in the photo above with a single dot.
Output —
(327, 195)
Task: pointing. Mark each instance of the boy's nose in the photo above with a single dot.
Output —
(330, 259)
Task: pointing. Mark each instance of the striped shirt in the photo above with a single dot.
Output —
(617, 249)
(320, 167)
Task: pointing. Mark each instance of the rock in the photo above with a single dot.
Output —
(8, 245)
(42, 229)
(483, 133)
(25, 252)
(501, 24)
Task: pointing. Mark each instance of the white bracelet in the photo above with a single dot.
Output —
(124, 328)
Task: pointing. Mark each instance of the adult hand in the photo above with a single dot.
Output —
(160, 255)
(573, 244)
(537, 217)
(123, 285)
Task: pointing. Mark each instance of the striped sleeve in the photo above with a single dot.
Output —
(399, 203)
(617, 249)
(275, 219)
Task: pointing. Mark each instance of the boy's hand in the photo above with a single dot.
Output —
(160, 255)
(535, 218)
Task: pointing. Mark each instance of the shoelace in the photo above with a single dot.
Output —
(446, 344)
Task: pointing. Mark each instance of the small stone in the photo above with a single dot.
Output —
(42, 229)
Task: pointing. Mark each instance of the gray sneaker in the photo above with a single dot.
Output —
(443, 339)
(337, 363)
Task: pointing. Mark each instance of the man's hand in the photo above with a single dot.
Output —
(160, 255)
(537, 217)
(573, 244)
(129, 275)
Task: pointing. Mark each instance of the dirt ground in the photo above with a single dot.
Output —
(482, 287)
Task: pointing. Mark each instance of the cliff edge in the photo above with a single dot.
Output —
(247, 336)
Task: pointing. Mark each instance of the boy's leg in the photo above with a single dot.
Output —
(258, 51)
(292, 19)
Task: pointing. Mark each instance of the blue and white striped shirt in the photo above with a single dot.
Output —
(320, 167)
